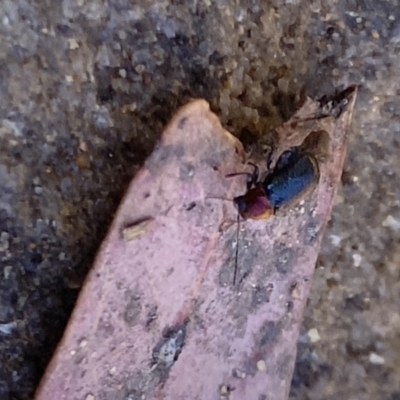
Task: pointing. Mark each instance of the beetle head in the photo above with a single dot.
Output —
(254, 204)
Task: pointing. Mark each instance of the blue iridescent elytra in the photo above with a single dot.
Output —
(294, 176)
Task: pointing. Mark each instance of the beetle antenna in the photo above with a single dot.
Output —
(236, 251)
(252, 177)
(218, 198)
(237, 238)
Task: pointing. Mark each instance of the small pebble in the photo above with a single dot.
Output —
(122, 34)
(392, 223)
(375, 34)
(237, 373)
(113, 370)
(224, 390)
(73, 44)
(135, 231)
(82, 161)
(7, 271)
(140, 68)
(357, 259)
(22, 300)
(261, 366)
(313, 335)
(335, 240)
(83, 146)
(4, 243)
(376, 359)
(295, 291)
(6, 329)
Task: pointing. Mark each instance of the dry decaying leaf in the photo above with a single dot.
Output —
(158, 317)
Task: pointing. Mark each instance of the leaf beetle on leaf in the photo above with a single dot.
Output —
(295, 175)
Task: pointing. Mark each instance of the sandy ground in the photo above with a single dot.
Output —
(86, 89)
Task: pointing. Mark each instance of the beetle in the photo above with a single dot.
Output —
(295, 175)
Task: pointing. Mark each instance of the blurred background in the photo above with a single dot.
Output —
(86, 88)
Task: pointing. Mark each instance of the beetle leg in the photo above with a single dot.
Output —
(253, 179)
(248, 174)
